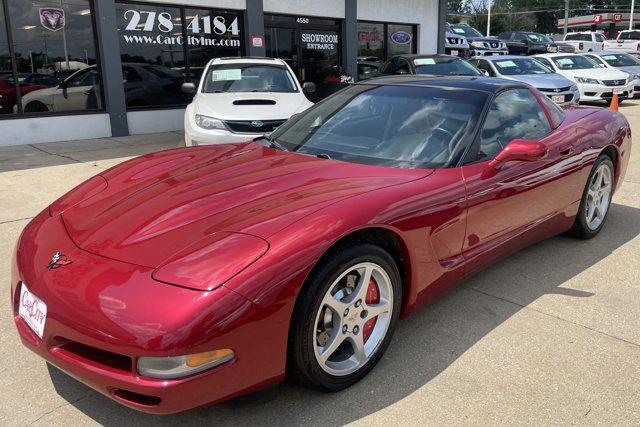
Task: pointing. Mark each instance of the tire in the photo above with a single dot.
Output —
(35, 107)
(316, 325)
(583, 227)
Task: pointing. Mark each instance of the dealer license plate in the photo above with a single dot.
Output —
(454, 52)
(618, 91)
(558, 99)
(32, 310)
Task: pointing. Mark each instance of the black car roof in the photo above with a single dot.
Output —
(484, 84)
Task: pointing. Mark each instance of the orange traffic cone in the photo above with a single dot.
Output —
(614, 102)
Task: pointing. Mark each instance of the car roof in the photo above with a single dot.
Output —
(501, 57)
(423, 55)
(553, 55)
(247, 60)
(483, 84)
(606, 52)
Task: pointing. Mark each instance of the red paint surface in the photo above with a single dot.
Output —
(176, 208)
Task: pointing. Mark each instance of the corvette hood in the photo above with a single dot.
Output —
(251, 105)
(157, 205)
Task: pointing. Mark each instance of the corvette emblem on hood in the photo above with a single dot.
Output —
(58, 260)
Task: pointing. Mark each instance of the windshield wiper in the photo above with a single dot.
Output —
(272, 143)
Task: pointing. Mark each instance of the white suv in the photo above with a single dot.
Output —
(239, 99)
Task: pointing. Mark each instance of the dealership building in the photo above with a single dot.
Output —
(79, 69)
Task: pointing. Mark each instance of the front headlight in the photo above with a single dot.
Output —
(587, 80)
(477, 44)
(181, 366)
(574, 87)
(552, 49)
(209, 123)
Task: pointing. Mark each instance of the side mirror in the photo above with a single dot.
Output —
(189, 88)
(64, 84)
(525, 41)
(308, 87)
(523, 150)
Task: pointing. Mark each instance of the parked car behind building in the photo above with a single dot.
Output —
(527, 43)
(585, 41)
(479, 45)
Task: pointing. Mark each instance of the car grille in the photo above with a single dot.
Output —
(556, 90)
(452, 40)
(253, 126)
(614, 82)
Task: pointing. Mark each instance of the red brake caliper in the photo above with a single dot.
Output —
(373, 297)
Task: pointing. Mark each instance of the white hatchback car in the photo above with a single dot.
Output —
(239, 99)
(594, 82)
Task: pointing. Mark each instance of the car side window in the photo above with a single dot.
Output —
(546, 63)
(514, 114)
(87, 78)
(390, 66)
(485, 66)
(518, 37)
(403, 67)
(600, 38)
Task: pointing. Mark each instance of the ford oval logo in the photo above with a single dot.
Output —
(401, 37)
(257, 124)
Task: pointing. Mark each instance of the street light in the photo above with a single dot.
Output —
(631, 15)
(489, 19)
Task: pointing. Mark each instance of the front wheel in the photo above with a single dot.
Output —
(596, 199)
(346, 317)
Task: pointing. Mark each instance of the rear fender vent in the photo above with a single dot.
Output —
(254, 102)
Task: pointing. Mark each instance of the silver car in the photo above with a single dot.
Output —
(526, 69)
(455, 44)
(622, 61)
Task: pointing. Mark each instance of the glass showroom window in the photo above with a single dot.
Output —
(400, 39)
(370, 42)
(7, 82)
(155, 58)
(55, 57)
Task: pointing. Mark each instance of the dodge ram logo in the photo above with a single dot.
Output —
(52, 18)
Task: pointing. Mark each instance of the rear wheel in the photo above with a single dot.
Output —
(35, 107)
(346, 317)
(596, 199)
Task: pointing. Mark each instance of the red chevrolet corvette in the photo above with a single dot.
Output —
(195, 275)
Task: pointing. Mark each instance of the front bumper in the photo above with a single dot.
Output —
(571, 97)
(598, 92)
(102, 315)
(474, 51)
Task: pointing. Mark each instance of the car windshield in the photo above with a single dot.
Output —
(392, 126)
(466, 31)
(538, 38)
(576, 62)
(545, 39)
(620, 59)
(248, 78)
(629, 35)
(578, 36)
(445, 66)
(520, 66)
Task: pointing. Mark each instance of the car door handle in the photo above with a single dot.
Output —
(567, 152)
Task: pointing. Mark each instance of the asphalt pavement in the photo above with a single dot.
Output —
(550, 335)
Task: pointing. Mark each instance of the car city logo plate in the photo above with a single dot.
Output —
(257, 124)
(58, 260)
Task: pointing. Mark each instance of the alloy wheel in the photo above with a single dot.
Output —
(599, 196)
(353, 319)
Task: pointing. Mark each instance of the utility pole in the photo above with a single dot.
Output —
(566, 16)
(489, 19)
(631, 15)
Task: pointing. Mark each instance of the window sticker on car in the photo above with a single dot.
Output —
(231, 74)
(564, 61)
(506, 64)
(424, 61)
(609, 57)
(458, 30)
